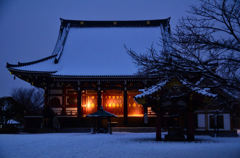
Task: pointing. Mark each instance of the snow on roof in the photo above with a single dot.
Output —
(13, 122)
(44, 66)
(199, 90)
(101, 113)
(158, 86)
(152, 89)
(97, 50)
(100, 51)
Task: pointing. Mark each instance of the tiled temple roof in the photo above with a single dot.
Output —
(96, 48)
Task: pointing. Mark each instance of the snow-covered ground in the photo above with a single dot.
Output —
(118, 145)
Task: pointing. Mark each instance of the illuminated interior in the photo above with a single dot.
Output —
(89, 102)
(134, 109)
(112, 101)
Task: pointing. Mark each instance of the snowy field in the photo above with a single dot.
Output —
(118, 145)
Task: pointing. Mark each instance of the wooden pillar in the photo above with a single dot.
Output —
(109, 125)
(64, 100)
(125, 104)
(79, 102)
(206, 118)
(190, 120)
(159, 127)
(232, 121)
(145, 117)
(46, 95)
(145, 114)
(99, 96)
(206, 121)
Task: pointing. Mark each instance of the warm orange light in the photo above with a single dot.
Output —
(88, 105)
(136, 115)
(134, 105)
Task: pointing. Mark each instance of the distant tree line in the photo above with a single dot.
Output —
(23, 101)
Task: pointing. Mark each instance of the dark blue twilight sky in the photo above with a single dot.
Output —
(29, 28)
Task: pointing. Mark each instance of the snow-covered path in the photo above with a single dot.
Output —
(118, 145)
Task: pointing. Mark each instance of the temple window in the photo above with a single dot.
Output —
(134, 109)
(113, 102)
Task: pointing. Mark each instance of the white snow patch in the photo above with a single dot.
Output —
(152, 89)
(203, 91)
(158, 86)
(13, 122)
(118, 145)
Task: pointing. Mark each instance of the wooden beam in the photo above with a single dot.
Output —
(190, 120)
(159, 127)
(145, 117)
(46, 93)
(64, 100)
(125, 104)
(79, 100)
(99, 96)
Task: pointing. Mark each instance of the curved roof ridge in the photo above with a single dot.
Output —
(79, 20)
(30, 63)
(31, 71)
(115, 23)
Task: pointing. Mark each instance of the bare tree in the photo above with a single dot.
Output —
(5, 109)
(204, 44)
(29, 102)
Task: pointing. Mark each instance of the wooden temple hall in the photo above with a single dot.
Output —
(89, 68)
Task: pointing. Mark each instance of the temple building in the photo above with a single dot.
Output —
(183, 106)
(89, 68)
